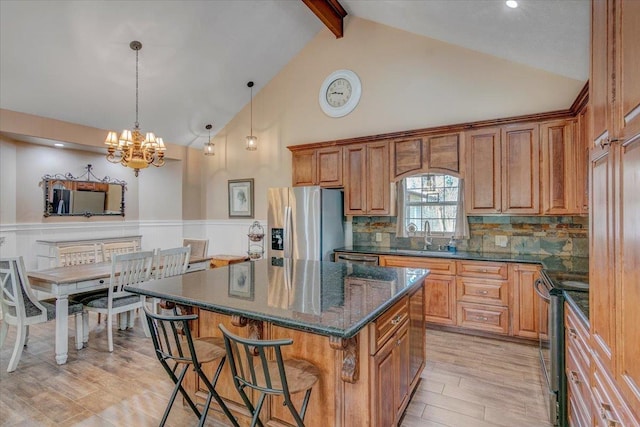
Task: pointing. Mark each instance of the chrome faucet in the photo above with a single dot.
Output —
(427, 235)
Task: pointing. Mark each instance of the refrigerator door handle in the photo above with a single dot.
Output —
(287, 232)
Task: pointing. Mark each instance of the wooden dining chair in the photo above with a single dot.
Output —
(116, 248)
(76, 255)
(171, 262)
(199, 247)
(126, 269)
(251, 368)
(21, 308)
(178, 352)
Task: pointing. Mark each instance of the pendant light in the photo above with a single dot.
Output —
(209, 146)
(252, 141)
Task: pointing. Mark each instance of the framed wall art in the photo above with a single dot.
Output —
(241, 198)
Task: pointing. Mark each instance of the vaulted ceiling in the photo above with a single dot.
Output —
(71, 60)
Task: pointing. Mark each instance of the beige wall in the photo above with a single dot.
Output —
(408, 82)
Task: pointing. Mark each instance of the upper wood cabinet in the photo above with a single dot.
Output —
(503, 170)
(407, 158)
(559, 168)
(434, 153)
(520, 169)
(304, 166)
(322, 166)
(368, 189)
(443, 153)
(482, 187)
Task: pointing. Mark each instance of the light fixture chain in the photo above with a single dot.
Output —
(251, 109)
(137, 123)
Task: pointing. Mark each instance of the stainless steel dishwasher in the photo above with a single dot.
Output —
(356, 258)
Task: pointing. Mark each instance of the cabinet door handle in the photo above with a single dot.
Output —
(573, 376)
(605, 409)
(483, 292)
(396, 319)
(572, 333)
(481, 318)
(605, 142)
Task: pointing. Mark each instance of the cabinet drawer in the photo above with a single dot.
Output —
(483, 317)
(436, 265)
(484, 291)
(577, 337)
(388, 323)
(609, 407)
(486, 270)
(578, 381)
(578, 411)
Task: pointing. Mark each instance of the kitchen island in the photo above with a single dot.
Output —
(362, 326)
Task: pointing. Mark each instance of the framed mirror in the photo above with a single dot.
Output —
(85, 195)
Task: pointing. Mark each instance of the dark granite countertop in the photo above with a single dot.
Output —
(559, 264)
(566, 273)
(579, 301)
(320, 297)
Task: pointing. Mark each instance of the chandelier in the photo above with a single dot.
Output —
(132, 149)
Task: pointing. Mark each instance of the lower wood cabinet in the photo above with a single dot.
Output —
(528, 322)
(440, 286)
(484, 317)
(577, 369)
(391, 377)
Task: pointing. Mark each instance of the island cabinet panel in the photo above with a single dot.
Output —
(315, 349)
(525, 305)
(482, 188)
(443, 153)
(207, 326)
(559, 168)
(304, 167)
(406, 155)
(520, 169)
(390, 375)
(417, 348)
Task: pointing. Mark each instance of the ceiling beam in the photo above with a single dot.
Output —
(330, 13)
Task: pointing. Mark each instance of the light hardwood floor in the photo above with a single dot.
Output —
(468, 381)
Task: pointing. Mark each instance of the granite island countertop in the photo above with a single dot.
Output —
(313, 296)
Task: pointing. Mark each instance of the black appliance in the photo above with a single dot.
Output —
(550, 287)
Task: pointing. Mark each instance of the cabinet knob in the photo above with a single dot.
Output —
(101, 281)
(572, 333)
(573, 376)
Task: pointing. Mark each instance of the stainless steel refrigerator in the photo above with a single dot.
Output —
(305, 223)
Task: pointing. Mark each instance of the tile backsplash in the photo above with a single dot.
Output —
(545, 235)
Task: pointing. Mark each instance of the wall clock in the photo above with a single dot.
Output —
(340, 93)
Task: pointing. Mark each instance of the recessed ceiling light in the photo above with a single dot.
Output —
(512, 4)
(57, 144)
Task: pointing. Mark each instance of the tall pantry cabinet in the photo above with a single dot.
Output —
(615, 211)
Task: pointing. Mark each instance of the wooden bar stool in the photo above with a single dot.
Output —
(175, 347)
(251, 368)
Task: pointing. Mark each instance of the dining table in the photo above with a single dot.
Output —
(63, 282)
